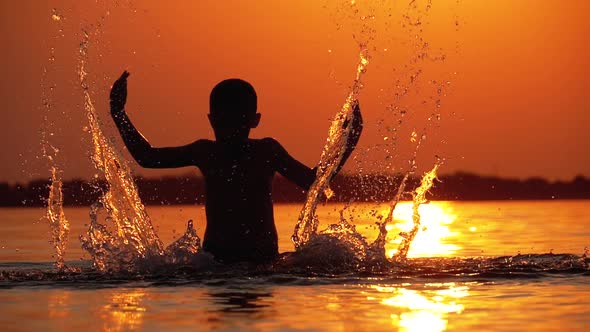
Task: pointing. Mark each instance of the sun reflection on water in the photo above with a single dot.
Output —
(58, 304)
(433, 237)
(125, 311)
(424, 311)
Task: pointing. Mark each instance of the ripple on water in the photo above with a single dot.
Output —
(80, 274)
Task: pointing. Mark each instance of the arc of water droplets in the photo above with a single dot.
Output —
(59, 225)
(55, 216)
(122, 201)
(378, 245)
(330, 159)
(418, 199)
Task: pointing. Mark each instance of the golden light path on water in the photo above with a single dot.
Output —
(423, 311)
(434, 237)
(124, 311)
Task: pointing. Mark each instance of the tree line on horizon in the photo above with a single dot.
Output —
(366, 188)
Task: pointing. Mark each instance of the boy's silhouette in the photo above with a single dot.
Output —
(238, 171)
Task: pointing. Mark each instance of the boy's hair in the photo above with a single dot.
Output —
(233, 96)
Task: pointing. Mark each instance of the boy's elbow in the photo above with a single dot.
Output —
(144, 163)
(144, 158)
(141, 160)
(149, 162)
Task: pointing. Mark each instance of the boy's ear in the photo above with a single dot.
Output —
(211, 120)
(255, 120)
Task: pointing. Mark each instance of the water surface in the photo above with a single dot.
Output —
(496, 266)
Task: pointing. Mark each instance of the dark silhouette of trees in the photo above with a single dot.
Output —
(373, 188)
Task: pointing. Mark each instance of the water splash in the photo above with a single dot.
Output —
(55, 215)
(339, 247)
(59, 225)
(419, 198)
(55, 15)
(378, 246)
(305, 236)
(339, 134)
(184, 250)
(126, 240)
(135, 237)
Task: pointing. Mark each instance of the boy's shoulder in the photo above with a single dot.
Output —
(270, 143)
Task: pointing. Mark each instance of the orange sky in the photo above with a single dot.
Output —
(511, 83)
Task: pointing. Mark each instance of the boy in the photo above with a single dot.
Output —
(238, 171)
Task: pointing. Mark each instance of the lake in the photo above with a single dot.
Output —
(475, 266)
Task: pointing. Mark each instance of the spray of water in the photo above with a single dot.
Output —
(419, 198)
(134, 238)
(55, 216)
(133, 243)
(339, 134)
(378, 246)
(343, 235)
(126, 239)
(59, 225)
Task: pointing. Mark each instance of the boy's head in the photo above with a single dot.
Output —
(232, 109)
(233, 95)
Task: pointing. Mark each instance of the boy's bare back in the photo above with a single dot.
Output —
(238, 171)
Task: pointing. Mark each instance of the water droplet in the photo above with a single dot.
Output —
(55, 15)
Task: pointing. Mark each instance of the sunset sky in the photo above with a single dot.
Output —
(510, 77)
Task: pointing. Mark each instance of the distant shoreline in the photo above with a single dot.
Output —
(460, 186)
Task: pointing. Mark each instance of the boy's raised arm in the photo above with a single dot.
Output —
(138, 146)
(290, 167)
(304, 176)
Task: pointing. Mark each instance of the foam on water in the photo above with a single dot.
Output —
(288, 271)
(340, 247)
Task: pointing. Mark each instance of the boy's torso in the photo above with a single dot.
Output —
(238, 181)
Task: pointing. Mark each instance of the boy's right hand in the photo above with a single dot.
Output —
(119, 93)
